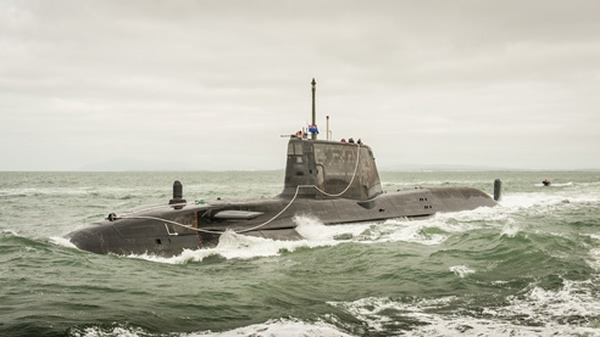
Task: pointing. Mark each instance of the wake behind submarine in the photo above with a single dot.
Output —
(333, 181)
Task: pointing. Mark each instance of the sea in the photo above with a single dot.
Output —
(528, 267)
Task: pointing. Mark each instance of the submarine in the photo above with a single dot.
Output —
(336, 182)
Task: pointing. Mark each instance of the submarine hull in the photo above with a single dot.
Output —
(169, 230)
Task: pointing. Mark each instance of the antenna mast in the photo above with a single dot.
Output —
(314, 116)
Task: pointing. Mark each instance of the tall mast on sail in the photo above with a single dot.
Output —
(314, 116)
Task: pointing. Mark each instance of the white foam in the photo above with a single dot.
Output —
(238, 246)
(438, 325)
(594, 259)
(510, 229)
(230, 246)
(10, 232)
(60, 241)
(461, 270)
(516, 202)
(110, 332)
(279, 327)
(446, 224)
(314, 230)
(574, 299)
(541, 307)
(373, 311)
(495, 213)
(367, 310)
(392, 230)
(415, 231)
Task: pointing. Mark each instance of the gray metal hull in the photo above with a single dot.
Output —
(169, 230)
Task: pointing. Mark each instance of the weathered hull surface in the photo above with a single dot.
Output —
(169, 230)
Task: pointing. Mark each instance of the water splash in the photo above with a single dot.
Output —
(60, 241)
(238, 246)
(511, 229)
(461, 270)
(314, 230)
(277, 327)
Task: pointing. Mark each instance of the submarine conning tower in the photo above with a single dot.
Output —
(326, 169)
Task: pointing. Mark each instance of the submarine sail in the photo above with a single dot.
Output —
(325, 169)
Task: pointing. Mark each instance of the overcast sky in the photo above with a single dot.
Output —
(211, 85)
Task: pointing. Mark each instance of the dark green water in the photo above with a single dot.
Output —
(530, 267)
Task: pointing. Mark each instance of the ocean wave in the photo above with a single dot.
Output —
(519, 201)
(279, 327)
(572, 310)
(510, 229)
(288, 327)
(461, 270)
(594, 259)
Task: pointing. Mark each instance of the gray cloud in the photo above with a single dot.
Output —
(212, 84)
